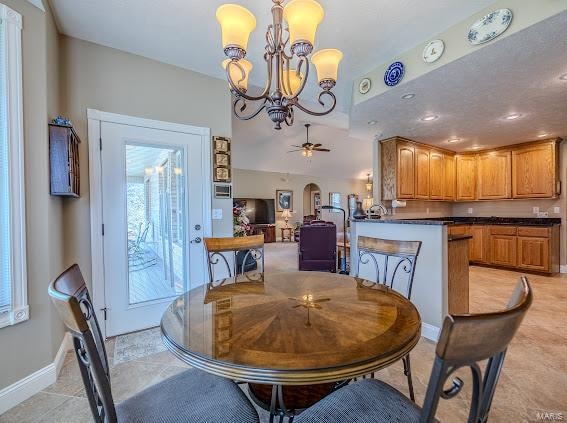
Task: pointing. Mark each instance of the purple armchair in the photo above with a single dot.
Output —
(318, 247)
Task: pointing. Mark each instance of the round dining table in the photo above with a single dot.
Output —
(293, 336)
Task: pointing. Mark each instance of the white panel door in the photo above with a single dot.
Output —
(153, 215)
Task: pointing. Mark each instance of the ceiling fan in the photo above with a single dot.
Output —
(307, 148)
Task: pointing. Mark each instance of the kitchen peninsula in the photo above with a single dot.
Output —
(440, 284)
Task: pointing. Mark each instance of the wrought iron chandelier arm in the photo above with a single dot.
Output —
(238, 91)
(324, 112)
(238, 110)
(303, 61)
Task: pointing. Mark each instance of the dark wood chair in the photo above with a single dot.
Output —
(190, 396)
(247, 255)
(394, 266)
(465, 341)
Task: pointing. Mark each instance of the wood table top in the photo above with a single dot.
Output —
(292, 328)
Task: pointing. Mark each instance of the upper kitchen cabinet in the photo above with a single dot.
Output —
(436, 175)
(449, 184)
(494, 179)
(466, 165)
(398, 169)
(535, 170)
(422, 173)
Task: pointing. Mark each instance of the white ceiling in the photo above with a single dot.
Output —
(185, 32)
(258, 146)
(517, 74)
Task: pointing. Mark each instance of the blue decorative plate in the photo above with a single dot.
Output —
(394, 74)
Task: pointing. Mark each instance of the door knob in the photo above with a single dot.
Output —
(196, 240)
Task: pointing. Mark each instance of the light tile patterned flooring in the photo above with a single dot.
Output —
(534, 377)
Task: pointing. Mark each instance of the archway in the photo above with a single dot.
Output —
(311, 200)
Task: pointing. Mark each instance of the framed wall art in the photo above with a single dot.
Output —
(284, 200)
(221, 159)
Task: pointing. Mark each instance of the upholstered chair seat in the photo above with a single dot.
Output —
(190, 396)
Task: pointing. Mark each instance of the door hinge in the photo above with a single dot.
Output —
(103, 229)
(100, 143)
(104, 310)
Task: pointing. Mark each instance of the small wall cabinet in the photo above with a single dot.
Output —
(64, 161)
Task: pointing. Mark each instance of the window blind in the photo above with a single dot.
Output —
(5, 232)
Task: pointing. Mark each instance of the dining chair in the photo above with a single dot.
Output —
(465, 341)
(393, 264)
(247, 254)
(190, 396)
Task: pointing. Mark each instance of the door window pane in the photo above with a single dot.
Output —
(155, 210)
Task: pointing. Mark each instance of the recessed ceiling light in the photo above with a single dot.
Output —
(408, 96)
(429, 118)
(513, 116)
(452, 140)
(543, 135)
(373, 122)
(563, 77)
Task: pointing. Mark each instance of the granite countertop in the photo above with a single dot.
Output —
(456, 220)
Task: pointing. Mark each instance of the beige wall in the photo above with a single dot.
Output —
(110, 80)
(29, 346)
(259, 184)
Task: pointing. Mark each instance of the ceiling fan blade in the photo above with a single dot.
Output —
(296, 146)
(326, 150)
(293, 151)
(317, 145)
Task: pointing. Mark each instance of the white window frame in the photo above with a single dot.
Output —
(19, 307)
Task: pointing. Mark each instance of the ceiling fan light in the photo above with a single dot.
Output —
(303, 17)
(236, 23)
(304, 153)
(236, 73)
(309, 153)
(327, 64)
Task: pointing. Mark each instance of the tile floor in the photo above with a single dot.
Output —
(534, 377)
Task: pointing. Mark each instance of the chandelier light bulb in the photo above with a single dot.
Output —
(237, 23)
(236, 72)
(303, 17)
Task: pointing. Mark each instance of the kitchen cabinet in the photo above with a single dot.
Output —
(465, 167)
(406, 171)
(422, 173)
(479, 244)
(449, 184)
(535, 170)
(436, 175)
(503, 250)
(533, 253)
(494, 179)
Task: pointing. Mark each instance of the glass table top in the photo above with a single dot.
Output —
(291, 327)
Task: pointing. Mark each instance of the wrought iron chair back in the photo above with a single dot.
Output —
(467, 339)
(393, 261)
(253, 246)
(71, 298)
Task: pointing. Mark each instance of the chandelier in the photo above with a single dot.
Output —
(285, 81)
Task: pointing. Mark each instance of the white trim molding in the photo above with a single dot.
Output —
(430, 332)
(12, 25)
(563, 268)
(24, 388)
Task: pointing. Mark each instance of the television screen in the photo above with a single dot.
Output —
(259, 211)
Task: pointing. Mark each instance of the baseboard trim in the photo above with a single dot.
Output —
(24, 388)
(563, 268)
(430, 332)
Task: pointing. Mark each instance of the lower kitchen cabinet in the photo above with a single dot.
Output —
(503, 250)
(479, 244)
(533, 253)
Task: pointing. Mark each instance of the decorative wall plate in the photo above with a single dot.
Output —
(394, 74)
(364, 85)
(490, 26)
(433, 51)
